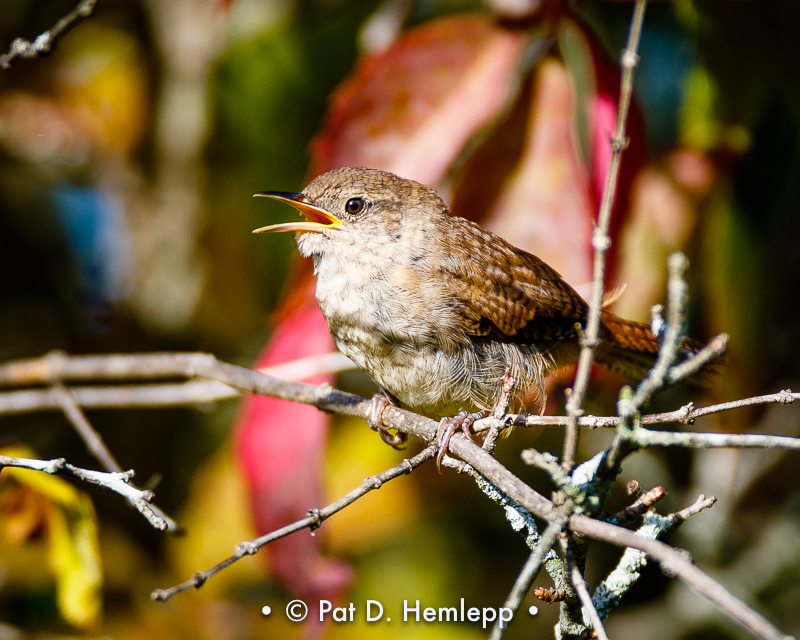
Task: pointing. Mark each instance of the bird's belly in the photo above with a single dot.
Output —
(415, 352)
(420, 377)
(441, 382)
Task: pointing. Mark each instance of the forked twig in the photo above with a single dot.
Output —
(117, 481)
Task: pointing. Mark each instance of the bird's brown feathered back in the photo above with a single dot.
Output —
(519, 298)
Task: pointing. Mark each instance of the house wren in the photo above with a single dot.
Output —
(435, 307)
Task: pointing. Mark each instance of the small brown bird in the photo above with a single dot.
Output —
(435, 307)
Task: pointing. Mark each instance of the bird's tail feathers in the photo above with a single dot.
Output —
(631, 349)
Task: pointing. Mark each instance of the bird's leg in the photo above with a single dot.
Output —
(448, 426)
(379, 402)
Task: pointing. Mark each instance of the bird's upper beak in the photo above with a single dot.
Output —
(317, 219)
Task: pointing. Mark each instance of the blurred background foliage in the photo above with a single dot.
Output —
(128, 159)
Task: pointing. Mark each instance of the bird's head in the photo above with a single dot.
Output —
(358, 209)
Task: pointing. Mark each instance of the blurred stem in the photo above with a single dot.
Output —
(167, 225)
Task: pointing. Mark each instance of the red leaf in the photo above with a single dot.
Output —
(412, 108)
(222, 6)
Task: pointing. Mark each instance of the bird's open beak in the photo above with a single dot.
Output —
(317, 219)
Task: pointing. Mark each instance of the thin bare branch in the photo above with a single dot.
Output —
(627, 572)
(313, 521)
(58, 366)
(97, 447)
(677, 297)
(602, 242)
(47, 41)
(701, 504)
(181, 394)
(117, 481)
(648, 438)
(91, 438)
(533, 565)
(582, 589)
(685, 415)
(631, 402)
(686, 369)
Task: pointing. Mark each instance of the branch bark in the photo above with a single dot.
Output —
(117, 481)
(164, 366)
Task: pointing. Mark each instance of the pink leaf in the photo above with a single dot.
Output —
(602, 110)
(280, 446)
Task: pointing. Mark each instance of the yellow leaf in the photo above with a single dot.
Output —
(72, 541)
(354, 454)
(75, 559)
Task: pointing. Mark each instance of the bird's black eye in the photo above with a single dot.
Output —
(354, 206)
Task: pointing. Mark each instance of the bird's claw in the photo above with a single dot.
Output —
(395, 440)
(448, 426)
(377, 405)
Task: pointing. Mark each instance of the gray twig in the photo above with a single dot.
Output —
(582, 589)
(97, 447)
(47, 41)
(714, 349)
(91, 438)
(601, 242)
(117, 481)
(630, 402)
(533, 564)
(624, 576)
(313, 521)
(685, 415)
(677, 297)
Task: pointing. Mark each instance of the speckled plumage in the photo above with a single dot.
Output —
(434, 307)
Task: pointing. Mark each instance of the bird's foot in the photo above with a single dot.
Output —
(378, 403)
(448, 426)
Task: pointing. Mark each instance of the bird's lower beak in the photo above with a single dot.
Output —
(317, 219)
